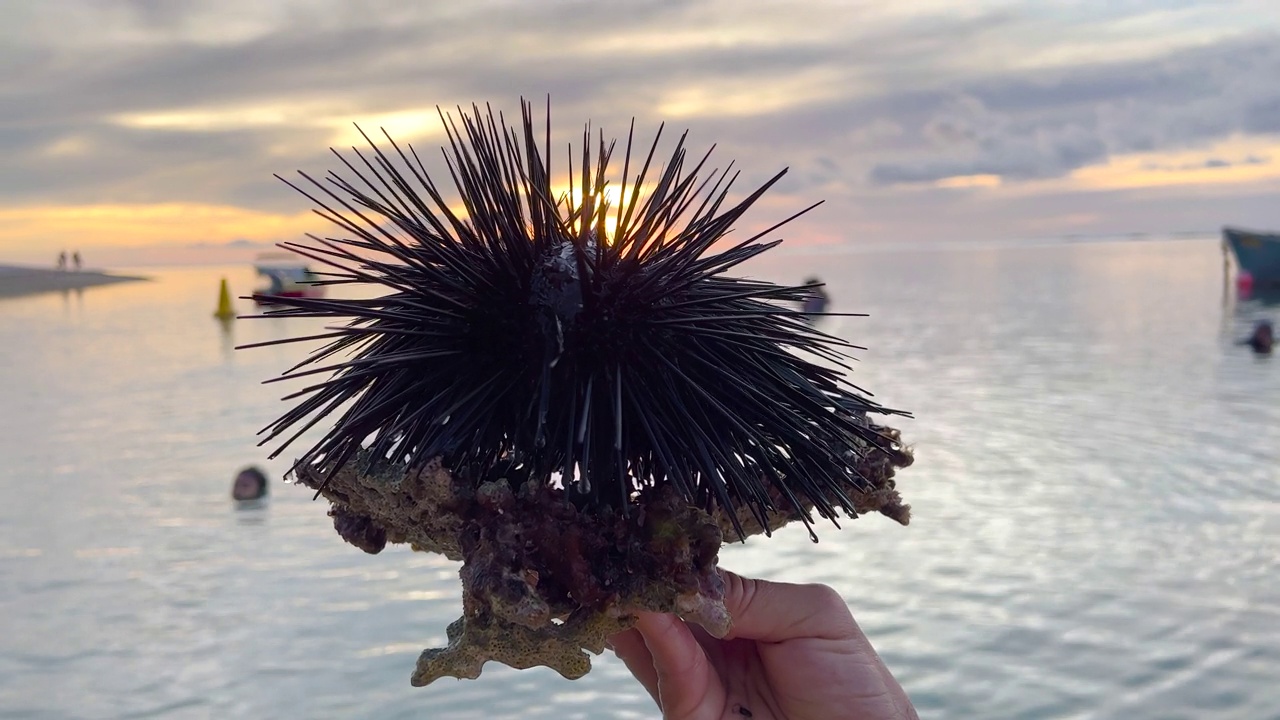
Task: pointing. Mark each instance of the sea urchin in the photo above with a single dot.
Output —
(567, 394)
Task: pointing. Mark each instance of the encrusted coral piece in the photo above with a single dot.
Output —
(543, 581)
(559, 646)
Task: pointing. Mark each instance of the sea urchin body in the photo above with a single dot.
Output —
(569, 395)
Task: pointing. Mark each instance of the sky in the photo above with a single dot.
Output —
(140, 130)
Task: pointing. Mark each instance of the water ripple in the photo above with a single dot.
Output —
(1096, 530)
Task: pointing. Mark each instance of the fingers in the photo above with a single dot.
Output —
(687, 685)
(814, 655)
(629, 646)
(817, 617)
(774, 612)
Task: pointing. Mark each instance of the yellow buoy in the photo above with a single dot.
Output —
(224, 311)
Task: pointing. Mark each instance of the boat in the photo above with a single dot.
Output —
(288, 276)
(1257, 254)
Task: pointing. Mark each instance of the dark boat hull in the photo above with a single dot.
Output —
(1256, 253)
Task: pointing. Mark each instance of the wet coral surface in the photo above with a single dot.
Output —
(544, 581)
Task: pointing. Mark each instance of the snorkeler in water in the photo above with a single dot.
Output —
(818, 299)
(1262, 339)
(250, 484)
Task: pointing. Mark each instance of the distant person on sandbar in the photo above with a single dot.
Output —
(817, 300)
(1262, 339)
(75, 259)
(250, 484)
(62, 260)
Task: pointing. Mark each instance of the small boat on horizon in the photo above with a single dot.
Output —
(1257, 254)
(288, 276)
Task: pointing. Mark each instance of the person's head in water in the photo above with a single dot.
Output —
(1263, 337)
(817, 300)
(250, 484)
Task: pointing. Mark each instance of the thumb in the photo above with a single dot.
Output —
(773, 612)
(806, 633)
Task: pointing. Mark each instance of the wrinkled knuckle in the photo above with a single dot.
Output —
(740, 588)
(837, 620)
(826, 599)
(746, 589)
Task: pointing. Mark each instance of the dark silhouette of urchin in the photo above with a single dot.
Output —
(536, 333)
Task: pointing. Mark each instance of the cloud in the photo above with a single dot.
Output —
(1209, 163)
(1044, 124)
(1027, 153)
(198, 103)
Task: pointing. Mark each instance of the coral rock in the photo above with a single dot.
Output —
(544, 582)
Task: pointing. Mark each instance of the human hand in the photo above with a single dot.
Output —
(794, 652)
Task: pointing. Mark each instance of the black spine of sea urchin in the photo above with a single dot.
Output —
(546, 334)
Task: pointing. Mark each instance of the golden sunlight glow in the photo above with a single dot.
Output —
(612, 196)
(969, 181)
(612, 192)
(143, 225)
(404, 125)
(1236, 160)
(140, 225)
(401, 124)
(209, 119)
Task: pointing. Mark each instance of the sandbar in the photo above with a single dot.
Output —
(23, 280)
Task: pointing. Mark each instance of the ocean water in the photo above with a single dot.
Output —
(1096, 499)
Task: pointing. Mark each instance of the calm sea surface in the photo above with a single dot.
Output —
(1096, 494)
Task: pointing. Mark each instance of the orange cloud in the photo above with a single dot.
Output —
(969, 181)
(338, 121)
(1236, 160)
(23, 229)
